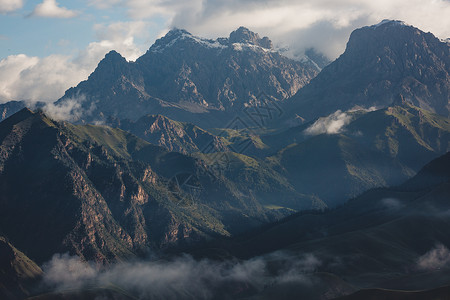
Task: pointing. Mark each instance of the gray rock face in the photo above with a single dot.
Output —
(243, 35)
(172, 135)
(381, 62)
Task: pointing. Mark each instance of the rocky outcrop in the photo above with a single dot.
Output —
(172, 135)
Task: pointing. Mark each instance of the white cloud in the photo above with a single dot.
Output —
(182, 277)
(50, 9)
(332, 124)
(70, 110)
(10, 5)
(37, 79)
(46, 79)
(324, 24)
(436, 258)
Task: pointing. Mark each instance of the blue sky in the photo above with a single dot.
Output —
(21, 32)
(47, 46)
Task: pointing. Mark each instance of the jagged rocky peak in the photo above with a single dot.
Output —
(175, 34)
(111, 66)
(240, 36)
(245, 36)
(113, 56)
(110, 62)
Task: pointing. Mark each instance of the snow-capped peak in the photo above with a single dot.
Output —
(240, 40)
(179, 34)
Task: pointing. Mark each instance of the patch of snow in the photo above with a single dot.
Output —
(391, 22)
(183, 35)
(207, 43)
(245, 46)
(307, 60)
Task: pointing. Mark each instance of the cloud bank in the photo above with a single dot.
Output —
(182, 277)
(436, 258)
(7, 6)
(300, 24)
(33, 79)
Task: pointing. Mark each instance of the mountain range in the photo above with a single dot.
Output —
(183, 76)
(290, 177)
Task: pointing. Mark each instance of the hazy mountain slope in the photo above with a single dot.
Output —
(410, 134)
(380, 62)
(336, 167)
(364, 150)
(183, 77)
(383, 238)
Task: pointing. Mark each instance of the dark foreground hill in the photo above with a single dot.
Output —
(393, 238)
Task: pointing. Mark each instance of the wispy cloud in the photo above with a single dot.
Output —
(51, 9)
(70, 110)
(332, 124)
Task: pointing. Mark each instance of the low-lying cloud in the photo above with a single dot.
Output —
(182, 277)
(332, 124)
(436, 258)
(71, 109)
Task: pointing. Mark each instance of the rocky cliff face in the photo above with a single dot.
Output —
(172, 135)
(182, 73)
(381, 62)
(82, 196)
